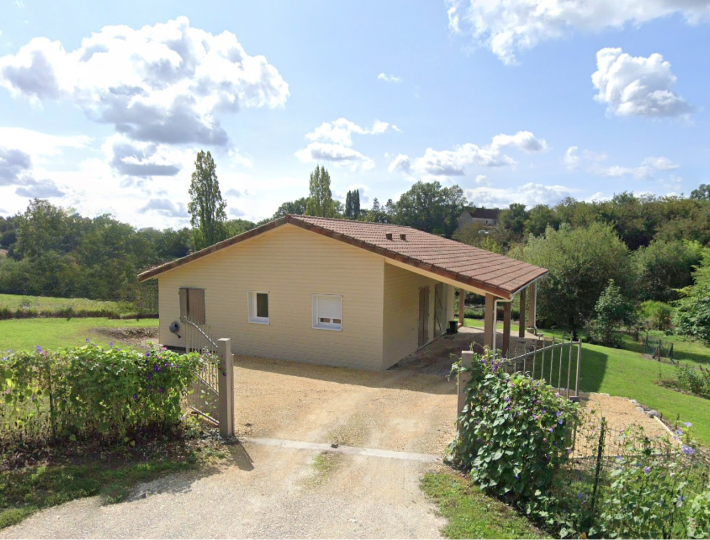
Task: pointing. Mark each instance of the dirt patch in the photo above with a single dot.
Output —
(140, 338)
(621, 413)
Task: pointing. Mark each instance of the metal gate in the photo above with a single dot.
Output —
(204, 399)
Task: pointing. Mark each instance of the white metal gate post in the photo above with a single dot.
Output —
(226, 388)
(462, 380)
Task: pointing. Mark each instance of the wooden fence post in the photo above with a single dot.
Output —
(462, 380)
(226, 388)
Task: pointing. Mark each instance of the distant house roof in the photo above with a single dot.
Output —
(468, 265)
(484, 213)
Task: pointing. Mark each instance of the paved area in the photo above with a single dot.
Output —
(285, 480)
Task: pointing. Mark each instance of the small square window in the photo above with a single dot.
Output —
(259, 307)
(327, 311)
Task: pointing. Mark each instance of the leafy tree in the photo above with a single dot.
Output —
(320, 200)
(663, 267)
(513, 219)
(235, 227)
(612, 311)
(581, 262)
(206, 206)
(379, 213)
(539, 219)
(702, 193)
(429, 207)
(297, 207)
(692, 316)
(478, 235)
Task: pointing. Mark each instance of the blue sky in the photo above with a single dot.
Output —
(103, 109)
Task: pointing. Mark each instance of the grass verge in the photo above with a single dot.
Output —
(472, 514)
(625, 373)
(25, 334)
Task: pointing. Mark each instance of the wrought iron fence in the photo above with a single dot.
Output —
(204, 399)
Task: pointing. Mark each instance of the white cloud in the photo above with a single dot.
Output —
(164, 83)
(574, 160)
(648, 168)
(333, 141)
(507, 27)
(435, 163)
(482, 180)
(637, 86)
(38, 144)
(388, 78)
(146, 159)
(528, 194)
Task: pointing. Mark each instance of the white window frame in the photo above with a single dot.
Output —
(317, 324)
(251, 307)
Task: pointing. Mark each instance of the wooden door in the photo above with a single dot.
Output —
(423, 316)
(439, 310)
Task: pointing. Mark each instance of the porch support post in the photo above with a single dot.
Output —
(506, 328)
(489, 321)
(531, 305)
(521, 322)
(462, 301)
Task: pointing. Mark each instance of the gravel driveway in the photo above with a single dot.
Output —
(272, 489)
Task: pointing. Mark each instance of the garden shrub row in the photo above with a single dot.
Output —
(91, 391)
(516, 440)
(70, 313)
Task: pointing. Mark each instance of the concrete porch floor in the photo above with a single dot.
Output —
(436, 357)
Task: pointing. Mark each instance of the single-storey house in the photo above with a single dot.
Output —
(330, 291)
(482, 216)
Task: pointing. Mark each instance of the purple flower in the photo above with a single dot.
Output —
(161, 390)
(150, 387)
(543, 411)
(156, 368)
(560, 421)
(135, 396)
(39, 349)
(679, 432)
(88, 340)
(687, 424)
(688, 451)
(580, 495)
(110, 344)
(647, 470)
(147, 354)
(558, 414)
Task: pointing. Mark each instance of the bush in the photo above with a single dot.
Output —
(92, 391)
(648, 491)
(656, 315)
(612, 311)
(695, 381)
(516, 432)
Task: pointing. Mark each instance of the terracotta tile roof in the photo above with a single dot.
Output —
(468, 265)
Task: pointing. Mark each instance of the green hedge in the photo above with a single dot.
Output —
(70, 313)
(92, 391)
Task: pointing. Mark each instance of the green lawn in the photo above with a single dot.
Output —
(21, 334)
(472, 514)
(49, 304)
(620, 372)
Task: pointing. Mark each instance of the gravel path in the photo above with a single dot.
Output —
(272, 492)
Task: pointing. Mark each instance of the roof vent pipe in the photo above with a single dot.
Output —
(388, 236)
(403, 236)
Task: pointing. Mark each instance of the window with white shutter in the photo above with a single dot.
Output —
(328, 311)
(259, 307)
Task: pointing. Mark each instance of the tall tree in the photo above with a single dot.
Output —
(206, 207)
(429, 207)
(702, 193)
(356, 203)
(349, 205)
(320, 200)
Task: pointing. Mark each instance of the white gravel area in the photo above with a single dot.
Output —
(265, 491)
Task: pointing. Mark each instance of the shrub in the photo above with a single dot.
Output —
(92, 391)
(656, 315)
(515, 433)
(699, 516)
(612, 311)
(648, 490)
(695, 381)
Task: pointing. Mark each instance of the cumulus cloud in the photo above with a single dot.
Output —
(143, 159)
(13, 164)
(637, 86)
(528, 194)
(333, 141)
(388, 78)
(454, 162)
(165, 207)
(39, 189)
(231, 192)
(164, 83)
(507, 27)
(37, 144)
(573, 159)
(649, 167)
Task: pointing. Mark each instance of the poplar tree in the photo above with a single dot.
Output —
(206, 206)
(320, 200)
